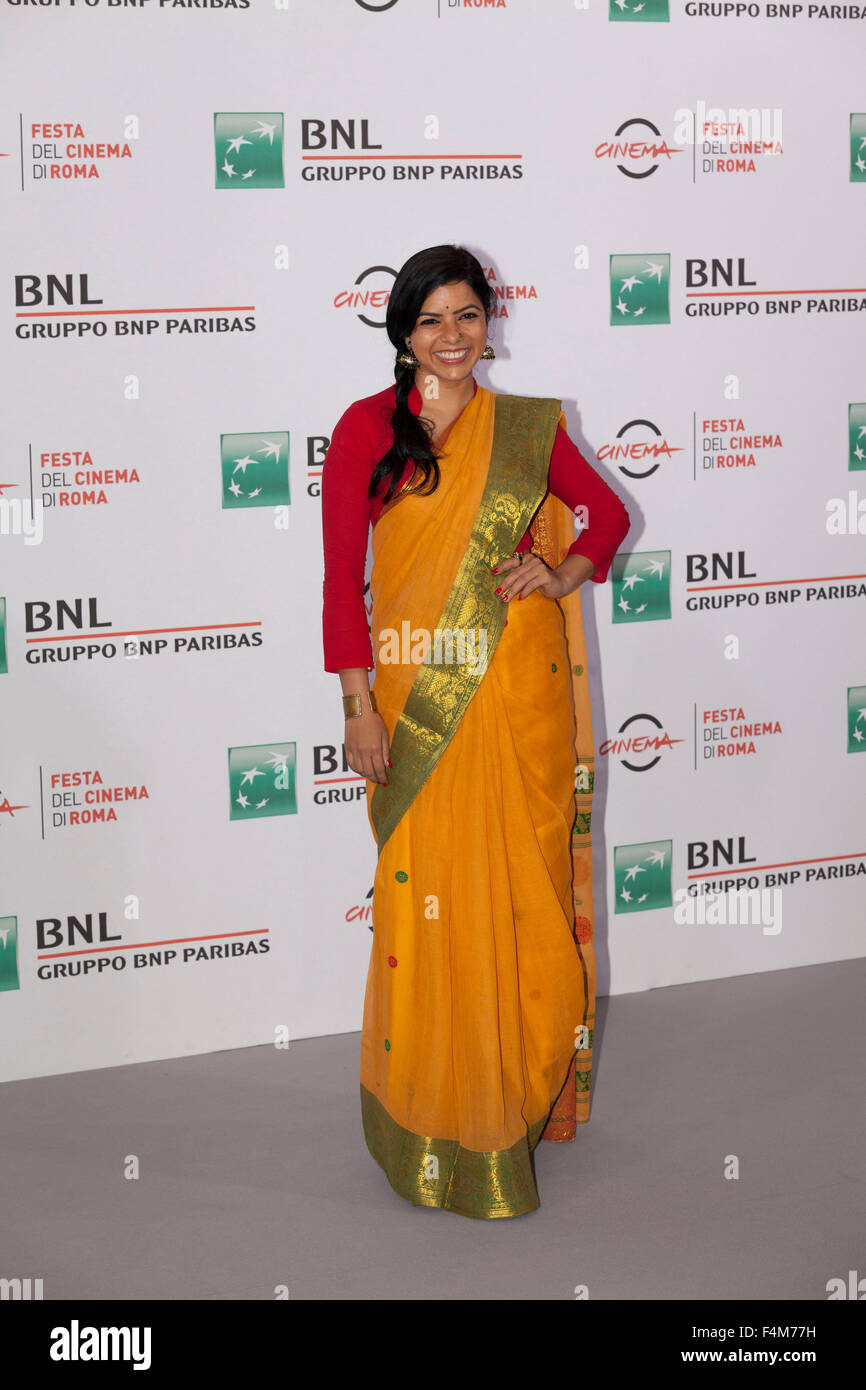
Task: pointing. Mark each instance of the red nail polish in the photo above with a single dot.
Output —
(389, 764)
(499, 590)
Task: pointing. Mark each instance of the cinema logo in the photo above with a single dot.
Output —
(362, 912)
(64, 151)
(639, 743)
(728, 445)
(7, 809)
(637, 149)
(727, 733)
(369, 295)
(730, 142)
(248, 149)
(639, 449)
(87, 798)
(443, 7)
(372, 289)
(70, 479)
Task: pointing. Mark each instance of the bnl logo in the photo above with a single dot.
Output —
(8, 953)
(248, 149)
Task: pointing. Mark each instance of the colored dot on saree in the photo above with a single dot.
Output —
(387, 1045)
(401, 876)
(392, 961)
(578, 670)
(553, 666)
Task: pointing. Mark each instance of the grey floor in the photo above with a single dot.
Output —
(254, 1172)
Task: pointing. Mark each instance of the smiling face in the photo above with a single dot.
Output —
(449, 335)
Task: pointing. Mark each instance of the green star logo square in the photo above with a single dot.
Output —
(255, 469)
(858, 148)
(262, 781)
(641, 584)
(248, 148)
(638, 11)
(857, 437)
(9, 953)
(857, 719)
(639, 289)
(642, 876)
(4, 664)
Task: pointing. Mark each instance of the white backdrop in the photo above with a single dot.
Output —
(198, 317)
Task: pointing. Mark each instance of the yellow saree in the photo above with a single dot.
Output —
(478, 1013)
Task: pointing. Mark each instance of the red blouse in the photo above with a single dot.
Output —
(360, 438)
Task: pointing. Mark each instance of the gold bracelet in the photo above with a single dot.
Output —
(352, 705)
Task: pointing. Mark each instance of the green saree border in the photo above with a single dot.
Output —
(486, 1185)
(524, 431)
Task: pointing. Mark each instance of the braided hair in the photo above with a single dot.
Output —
(424, 272)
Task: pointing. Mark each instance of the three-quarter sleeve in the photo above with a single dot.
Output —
(346, 510)
(574, 481)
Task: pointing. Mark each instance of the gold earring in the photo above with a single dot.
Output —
(408, 358)
(488, 354)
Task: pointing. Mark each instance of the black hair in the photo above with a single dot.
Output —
(424, 272)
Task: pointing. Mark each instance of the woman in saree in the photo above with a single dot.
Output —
(476, 743)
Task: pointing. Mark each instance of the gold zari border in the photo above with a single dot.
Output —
(485, 1185)
(524, 431)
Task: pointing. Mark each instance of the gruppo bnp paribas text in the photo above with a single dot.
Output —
(35, 296)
